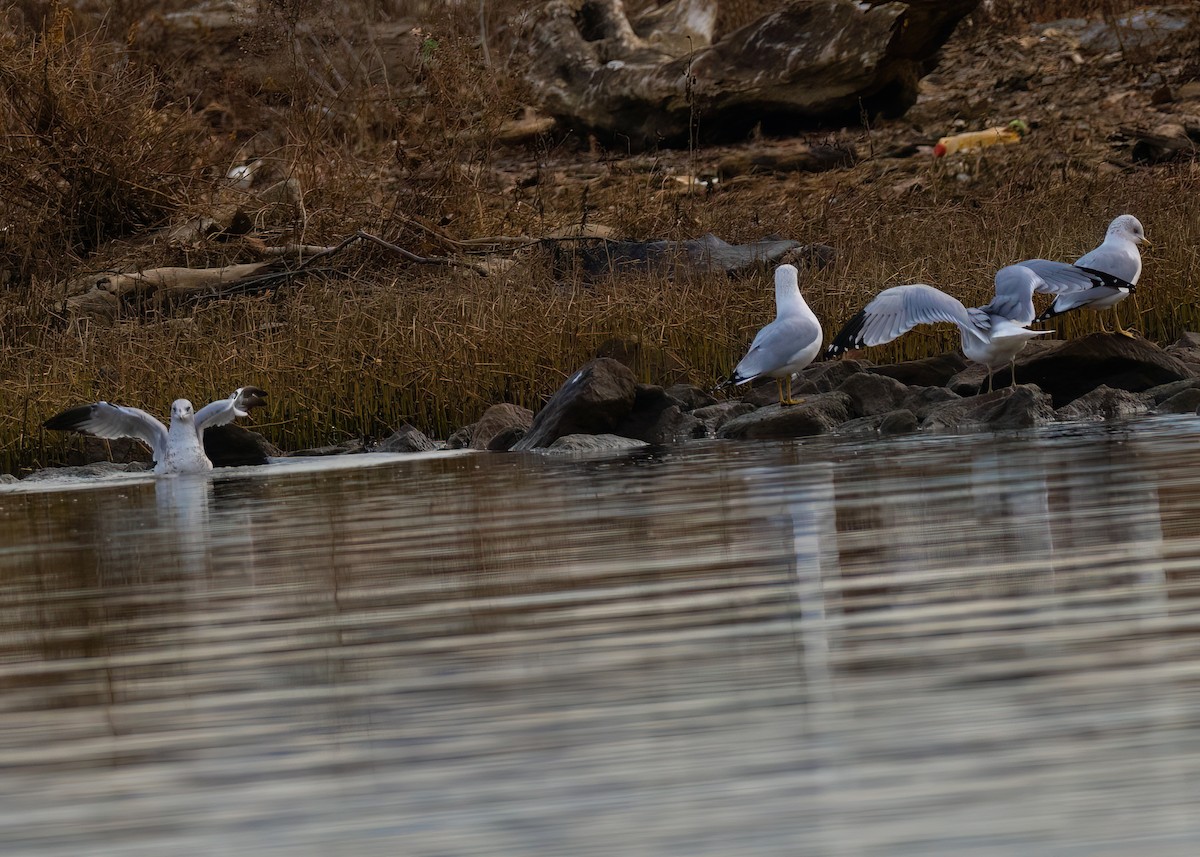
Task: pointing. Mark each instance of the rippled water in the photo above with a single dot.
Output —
(930, 646)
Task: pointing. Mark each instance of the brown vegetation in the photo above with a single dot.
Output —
(395, 130)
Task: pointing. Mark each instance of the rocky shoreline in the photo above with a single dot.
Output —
(602, 406)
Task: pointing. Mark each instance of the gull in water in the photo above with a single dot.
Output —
(1117, 256)
(786, 345)
(178, 449)
(992, 334)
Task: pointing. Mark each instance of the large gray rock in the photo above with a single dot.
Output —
(592, 401)
(715, 416)
(819, 414)
(1069, 370)
(1186, 349)
(406, 439)
(1105, 403)
(233, 446)
(1183, 402)
(826, 376)
(656, 417)
(1178, 397)
(933, 371)
(921, 400)
(496, 419)
(872, 394)
(1010, 408)
(690, 396)
(592, 69)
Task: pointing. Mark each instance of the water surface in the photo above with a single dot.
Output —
(981, 645)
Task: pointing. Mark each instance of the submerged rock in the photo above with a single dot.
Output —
(592, 401)
(572, 443)
(94, 470)
(347, 447)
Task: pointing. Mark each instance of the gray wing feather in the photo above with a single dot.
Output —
(1015, 285)
(897, 310)
(113, 421)
(777, 345)
(1055, 278)
(225, 411)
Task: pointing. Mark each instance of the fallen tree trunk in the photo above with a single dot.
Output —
(811, 61)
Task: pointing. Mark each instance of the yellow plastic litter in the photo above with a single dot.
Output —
(1001, 134)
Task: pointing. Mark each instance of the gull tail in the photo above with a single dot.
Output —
(849, 336)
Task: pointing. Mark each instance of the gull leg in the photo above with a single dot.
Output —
(1131, 333)
(788, 400)
(779, 386)
(989, 384)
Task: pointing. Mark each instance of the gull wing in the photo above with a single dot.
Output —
(1059, 278)
(777, 345)
(1114, 261)
(225, 411)
(896, 311)
(113, 421)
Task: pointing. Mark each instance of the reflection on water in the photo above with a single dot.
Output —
(933, 646)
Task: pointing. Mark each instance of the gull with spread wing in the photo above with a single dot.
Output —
(992, 334)
(178, 449)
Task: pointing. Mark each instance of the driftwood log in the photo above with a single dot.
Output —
(657, 79)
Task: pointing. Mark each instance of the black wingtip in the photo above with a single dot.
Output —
(848, 336)
(69, 420)
(1106, 279)
(252, 397)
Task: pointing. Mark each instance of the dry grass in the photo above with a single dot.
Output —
(373, 344)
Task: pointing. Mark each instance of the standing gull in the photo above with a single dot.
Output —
(992, 334)
(1118, 255)
(786, 345)
(178, 449)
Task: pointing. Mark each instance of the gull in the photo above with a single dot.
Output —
(1118, 256)
(786, 345)
(992, 334)
(178, 449)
